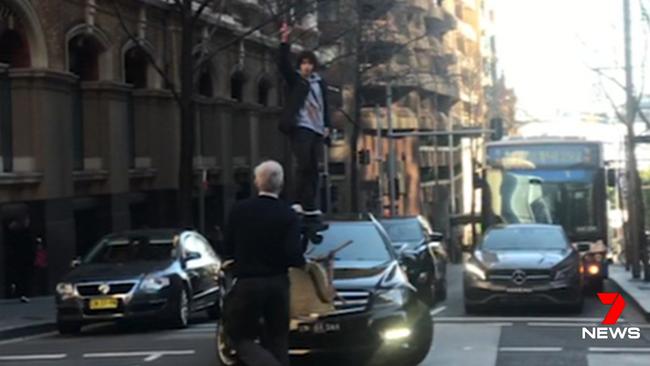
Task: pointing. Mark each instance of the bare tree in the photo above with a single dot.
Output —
(195, 53)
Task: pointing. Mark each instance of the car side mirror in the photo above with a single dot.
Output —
(75, 262)
(436, 236)
(191, 256)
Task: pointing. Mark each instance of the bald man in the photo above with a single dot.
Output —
(263, 238)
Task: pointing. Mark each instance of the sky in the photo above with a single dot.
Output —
(547, 49)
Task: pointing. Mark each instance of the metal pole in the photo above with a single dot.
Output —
(379, 159)
(452, 173)
(202, 188)
(391, 149)
(633, 192)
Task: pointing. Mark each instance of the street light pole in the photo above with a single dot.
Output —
(379, 159)
(391, 148)
(633, 191)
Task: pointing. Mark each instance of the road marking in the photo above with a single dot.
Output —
(57, 356)
(438, 310)
(149, 356)
(620, 349)
(566, 325)
(481, 319)
(29, 338)
(530, 349)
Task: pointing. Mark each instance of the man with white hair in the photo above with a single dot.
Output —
(263, 238)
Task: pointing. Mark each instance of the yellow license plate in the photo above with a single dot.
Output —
(103, 304)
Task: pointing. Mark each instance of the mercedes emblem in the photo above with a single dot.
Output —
(519, 277)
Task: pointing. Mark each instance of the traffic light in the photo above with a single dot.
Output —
(496, 125)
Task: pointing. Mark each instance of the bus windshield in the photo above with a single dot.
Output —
(549, 183)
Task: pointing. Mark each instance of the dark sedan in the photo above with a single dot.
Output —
(377, 314)
(159, 274)
(523, 265)
(422, 253)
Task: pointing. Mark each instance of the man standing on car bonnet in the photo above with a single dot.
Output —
(306, 120)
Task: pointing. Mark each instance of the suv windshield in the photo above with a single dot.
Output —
(525, 238)
(367, 244)
(132, 249)
(404, 230)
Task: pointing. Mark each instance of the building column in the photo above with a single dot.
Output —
(60, 237)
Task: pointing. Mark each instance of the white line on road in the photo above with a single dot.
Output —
(564, 325)
(530, 349)
(148, 355)
(620, 349)
(438, 310)
(29, 338)
(57, 356)
(480, 319)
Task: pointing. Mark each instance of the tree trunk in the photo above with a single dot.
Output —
(187, 116)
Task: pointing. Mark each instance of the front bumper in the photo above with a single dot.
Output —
(354, 334)
(478, 292)
(129, 306)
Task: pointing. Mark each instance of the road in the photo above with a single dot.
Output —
(509, 337)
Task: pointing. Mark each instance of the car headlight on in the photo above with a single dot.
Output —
(154, 283)
(475, 270)
(394, 296)
(65, 290)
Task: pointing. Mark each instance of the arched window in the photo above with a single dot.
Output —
(237, 81)
(83, 53)
(205, 86)
(263, 91)
(14, 48)
(135, 67)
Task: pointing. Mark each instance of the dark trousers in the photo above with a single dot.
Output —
(258, 308)
(307, 147)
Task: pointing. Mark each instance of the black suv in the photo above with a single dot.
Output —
(378, 315)
(422, 252)
(162, 274)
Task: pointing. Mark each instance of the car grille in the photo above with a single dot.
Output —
(350, 301)
(532, 275)
(115, 289)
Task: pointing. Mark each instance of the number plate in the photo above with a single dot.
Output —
(103, 304)
(519, 290)
(319, 328)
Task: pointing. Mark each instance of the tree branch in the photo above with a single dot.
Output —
(199, 11)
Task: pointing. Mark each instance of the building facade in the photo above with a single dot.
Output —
(89, 130)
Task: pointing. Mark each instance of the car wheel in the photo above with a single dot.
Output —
(69, 328)
(181, 314)
(423, 339)
(225, 353)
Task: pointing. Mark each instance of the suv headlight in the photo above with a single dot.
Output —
(474, 270)
(65, 290)
(394, 297)
(154, 283)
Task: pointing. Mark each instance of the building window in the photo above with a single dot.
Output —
(14, 49)
(205, 86)
(135, 68)
(237, 81)
(263, 92)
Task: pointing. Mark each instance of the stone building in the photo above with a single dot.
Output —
(89, 131)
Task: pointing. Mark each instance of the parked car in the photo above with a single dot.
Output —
(523, 264)
(422, 252)
(378, 315)
(161, 274)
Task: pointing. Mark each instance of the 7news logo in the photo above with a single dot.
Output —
(617, 303)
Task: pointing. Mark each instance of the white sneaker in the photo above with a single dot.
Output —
(298, 208)
(24, 299)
